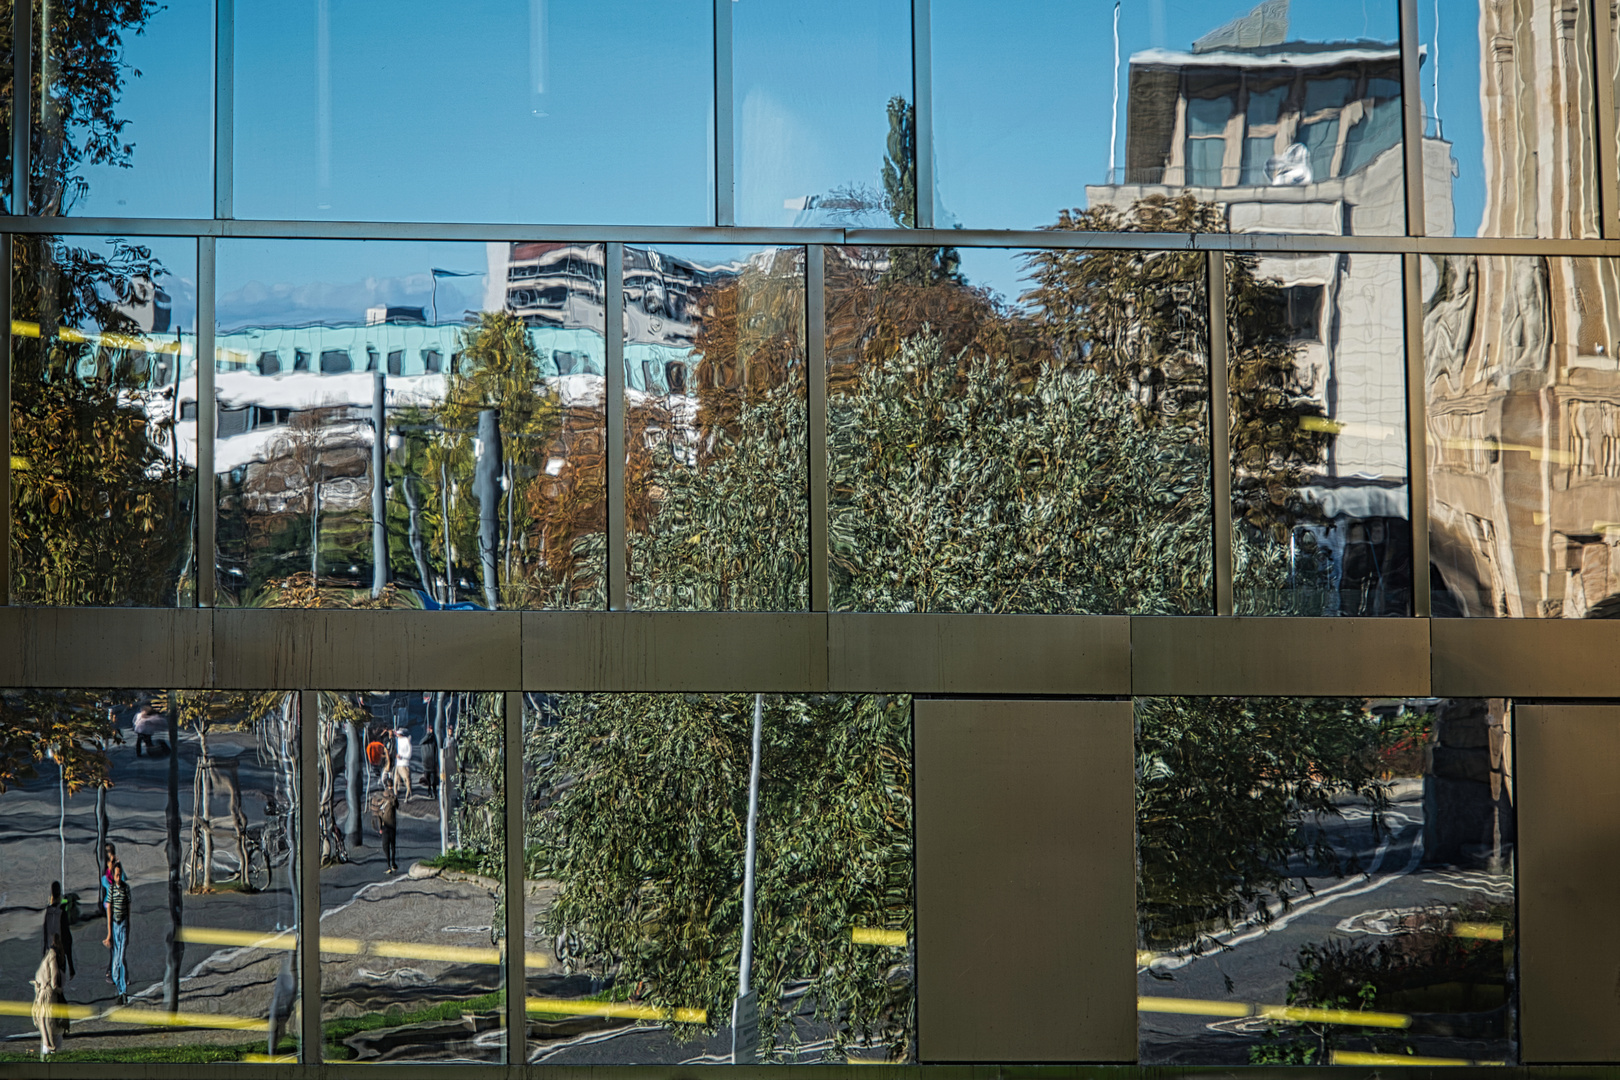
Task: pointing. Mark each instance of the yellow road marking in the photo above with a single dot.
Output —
(865, 935)
(576, 1007)
(207, 935)
(1485, 931)
(866, 1061)
(61, 1012)
(1356, 1057)
(128, 1015)
(399, 950)
(1196, 1007)
(270, 1059)
(112, 341)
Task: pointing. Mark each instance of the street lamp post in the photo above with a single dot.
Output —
(745, 1010)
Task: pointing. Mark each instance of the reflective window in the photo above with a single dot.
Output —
(1508, 112)
(412, 850)
(126, 125)
(824, 123)
(152, 835)
(467, 377)
(546, 110)
(1287, 116)
(637, 826)
(716, 482)
(1018, 431)
(1317, 379)
(1523, 402)
(1325, 881)
(103, 421)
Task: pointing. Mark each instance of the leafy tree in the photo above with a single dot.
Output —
(73, 726)
(914, 265)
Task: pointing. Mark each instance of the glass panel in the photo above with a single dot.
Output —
(1524, 435)
(103, 415)
(635, 834)
(491, 396)
(522, 110)
(1508, 111)
(1317, 374)
(1018, 431)
(1026, 85)
(412, 824)
(717, 473)
(1350, 861)
(824, 125)
(127, 127)
(196, 807)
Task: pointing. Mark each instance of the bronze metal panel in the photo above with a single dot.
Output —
(1026, 881)
(1526, 657)
(1279, 656)
(674, 651)
(1568, 760)
(367, 650)
(112, 647)
(979, 654)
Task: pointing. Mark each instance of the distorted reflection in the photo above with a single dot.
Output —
(103, 437)
(1523, 391)
(1043, 454)
(154, 834)
(411, 822)
(407, 439)
(1326, 881)
(637, 821)
(1317, 385)
(716, 478)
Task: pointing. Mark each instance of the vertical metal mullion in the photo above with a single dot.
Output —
(6, 241)
(22, 103)
(922, 94)
(309, 876)
(224, 108)
(1417, 443)
(516, 949)
(815, 331)
(1608, 155)
(725, 135)
(1412, 119)
(1220, 434)
(618, 538)
(207, 423)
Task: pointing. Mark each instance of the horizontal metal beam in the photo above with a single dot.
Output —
(681, 234)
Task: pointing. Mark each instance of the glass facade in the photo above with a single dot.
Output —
(776, 520)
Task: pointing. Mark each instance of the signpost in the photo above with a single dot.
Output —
(745, 1010)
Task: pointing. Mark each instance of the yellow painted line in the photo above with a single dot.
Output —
(1144, 957)
(865, 1061)
(350, 946)
(61, 1012)
(1484, 931)
(449, 954)
(1356, 1057)
(18, 463)
(112, 341)
(207, 935)
(128, 1015)
(399, 950)
(270, 1059)
(1196, 1007)
(1557, 457)
(578, 1007)
(865, 935)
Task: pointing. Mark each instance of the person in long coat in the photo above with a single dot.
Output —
(47, 996)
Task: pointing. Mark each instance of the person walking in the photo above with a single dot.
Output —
(147, 724)
(402, 760)
(47, 1012)
(118, 931)
(388, 824)
(58, 929)
(430, 763)
(109, 856)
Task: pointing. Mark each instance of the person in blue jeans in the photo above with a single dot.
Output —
(118, 930)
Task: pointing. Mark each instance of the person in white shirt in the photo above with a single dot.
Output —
(402, 761)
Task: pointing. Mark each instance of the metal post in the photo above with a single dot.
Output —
(516, 794)
(1417, 440)
(487, 470)
(379, 476)
(1412, 119)
(6, 242)
(745, 1010)
(815, 330)
(1608, 154)
(725, 133)
(207, 560)
(1220, 434)
(22, 104)
(922, 95)
(309, 876)
(618, 537)
(224, 108)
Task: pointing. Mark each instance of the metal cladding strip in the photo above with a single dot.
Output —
(1417, 427)
(815, 331)
(206, 562)
(1220, 433)
(618, 537)
(922, 96)
(725, 128)
(22, 104)
(6, 243)
(517, 963)
(1605, 120)
(224, 108)
(309, 877)
(1412, 119)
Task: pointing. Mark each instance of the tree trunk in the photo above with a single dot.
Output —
(413, 505)
(101, 838)
(175, 951)
(487, 472)
(354, 760)
(447, 779)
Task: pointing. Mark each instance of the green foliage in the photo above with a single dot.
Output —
(646, 800)
(1224, 786)
(73, 725)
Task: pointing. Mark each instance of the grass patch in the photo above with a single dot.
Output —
(333, 1032)
(461, 860)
